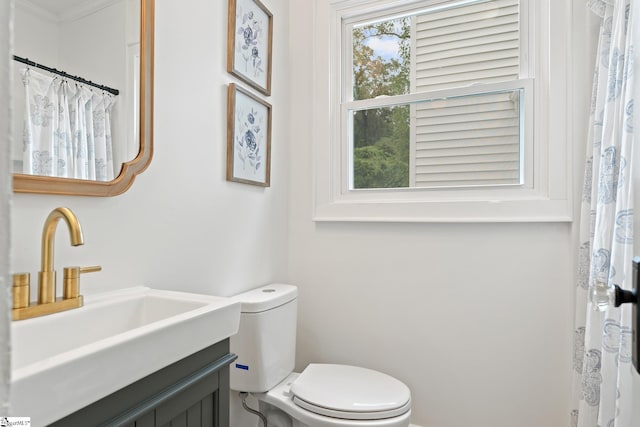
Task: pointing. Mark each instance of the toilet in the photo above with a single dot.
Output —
(323, 395)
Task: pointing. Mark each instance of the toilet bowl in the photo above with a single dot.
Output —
(322, 395)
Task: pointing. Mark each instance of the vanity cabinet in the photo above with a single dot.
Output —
(192, 392)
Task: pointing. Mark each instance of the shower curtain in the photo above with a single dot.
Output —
(67, 129)
(602, 335)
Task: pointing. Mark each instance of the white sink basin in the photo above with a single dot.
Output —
(65, 361)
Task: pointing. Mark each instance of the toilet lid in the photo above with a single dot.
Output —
(350, 392)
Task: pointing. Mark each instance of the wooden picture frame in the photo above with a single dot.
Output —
(248, 138)
(249, 42)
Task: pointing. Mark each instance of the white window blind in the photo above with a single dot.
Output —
(471, 140)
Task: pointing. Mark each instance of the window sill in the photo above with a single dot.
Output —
(444, 211)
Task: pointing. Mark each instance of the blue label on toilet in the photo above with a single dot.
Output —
(244, 367)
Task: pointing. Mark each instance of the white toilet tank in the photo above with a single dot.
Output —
(266, 339)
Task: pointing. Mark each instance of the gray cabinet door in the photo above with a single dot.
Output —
(193, 392)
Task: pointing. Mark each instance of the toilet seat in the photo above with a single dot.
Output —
(350, 392)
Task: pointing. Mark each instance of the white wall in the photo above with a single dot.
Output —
(181, 225)
(475, 318)
(5, 182)
(35, 34)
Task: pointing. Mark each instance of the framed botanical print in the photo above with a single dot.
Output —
(249, 41)
(248, 138)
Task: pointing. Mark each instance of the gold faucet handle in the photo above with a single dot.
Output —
(21, 290)
(71, 280)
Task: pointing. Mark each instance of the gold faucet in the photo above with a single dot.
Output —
(47, 275)
(47, 302)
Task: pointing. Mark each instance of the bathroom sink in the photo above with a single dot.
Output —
(65, 361)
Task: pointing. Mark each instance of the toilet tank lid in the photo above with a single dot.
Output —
(266, 297)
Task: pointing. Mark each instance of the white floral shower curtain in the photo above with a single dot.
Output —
(602, 336)
(67, 129)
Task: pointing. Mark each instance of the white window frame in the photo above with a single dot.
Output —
(544, 196)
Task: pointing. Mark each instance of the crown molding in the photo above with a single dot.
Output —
(33, 9)
(71, 14)
(87, 8)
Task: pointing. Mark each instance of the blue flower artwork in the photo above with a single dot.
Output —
(249, 143)
(249, 138)
(252, 43)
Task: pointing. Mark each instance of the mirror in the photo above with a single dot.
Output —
(132, 114)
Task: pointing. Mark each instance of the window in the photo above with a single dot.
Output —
(432, 111)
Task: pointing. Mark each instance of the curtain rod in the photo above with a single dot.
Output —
(64, 74)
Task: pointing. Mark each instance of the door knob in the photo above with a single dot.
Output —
(623, 296)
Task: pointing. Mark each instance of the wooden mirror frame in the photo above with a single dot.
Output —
(23, 183)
